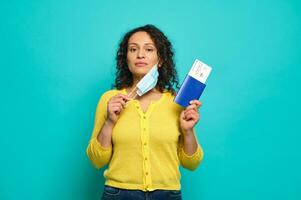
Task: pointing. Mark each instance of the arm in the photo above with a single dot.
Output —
(190, 144)
(190, 152)
(99, 154)
(99, 149)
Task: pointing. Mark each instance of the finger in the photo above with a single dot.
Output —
(192, 106)
(182, 116)
(120, 96)
(194, 110)
(188, 116)
(192, 117)
(190, 112)
(116, 109)
(196, 102)
(124, 97)
(120, 105)
(117, 97)
(118, 100)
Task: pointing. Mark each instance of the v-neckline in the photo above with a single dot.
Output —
(150, 107)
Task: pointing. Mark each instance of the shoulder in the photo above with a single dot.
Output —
(109, 94)
(169, 100)
(169, 96)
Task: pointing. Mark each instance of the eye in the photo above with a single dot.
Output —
(132, 49)
(149, 49)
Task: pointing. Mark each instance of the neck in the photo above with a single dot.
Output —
(132, 87)
(135, 81)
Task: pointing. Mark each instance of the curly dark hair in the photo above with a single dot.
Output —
(168, 77)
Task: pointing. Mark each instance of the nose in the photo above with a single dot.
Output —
(140, 54)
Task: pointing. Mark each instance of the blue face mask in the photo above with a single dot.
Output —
(148, 82)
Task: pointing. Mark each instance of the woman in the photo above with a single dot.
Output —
(143, 140)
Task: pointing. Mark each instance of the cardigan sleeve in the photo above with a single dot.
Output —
(190, 162)
(98, 154)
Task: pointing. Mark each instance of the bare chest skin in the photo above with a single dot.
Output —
(144, 103)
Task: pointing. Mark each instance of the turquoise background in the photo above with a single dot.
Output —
(57, 58)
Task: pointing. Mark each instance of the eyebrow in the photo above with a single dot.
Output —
(144, 44)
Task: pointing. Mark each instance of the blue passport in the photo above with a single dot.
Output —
(193, 84)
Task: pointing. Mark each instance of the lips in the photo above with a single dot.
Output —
(140, 64)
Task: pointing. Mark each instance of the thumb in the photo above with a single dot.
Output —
(182, 116)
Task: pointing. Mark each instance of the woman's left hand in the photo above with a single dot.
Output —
(190, 116)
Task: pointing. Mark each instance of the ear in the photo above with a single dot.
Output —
(160, 63)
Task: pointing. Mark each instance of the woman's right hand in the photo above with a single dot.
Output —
(114, 107)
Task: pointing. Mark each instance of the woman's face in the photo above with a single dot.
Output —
(142, 54)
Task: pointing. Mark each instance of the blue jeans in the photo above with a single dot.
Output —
(112, 193)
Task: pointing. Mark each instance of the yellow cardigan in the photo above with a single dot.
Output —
(147, 149)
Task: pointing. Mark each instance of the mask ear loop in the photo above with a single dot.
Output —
(132, 95)
(135, 95)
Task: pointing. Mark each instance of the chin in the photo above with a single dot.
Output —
(139, 74)
(140, 71)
